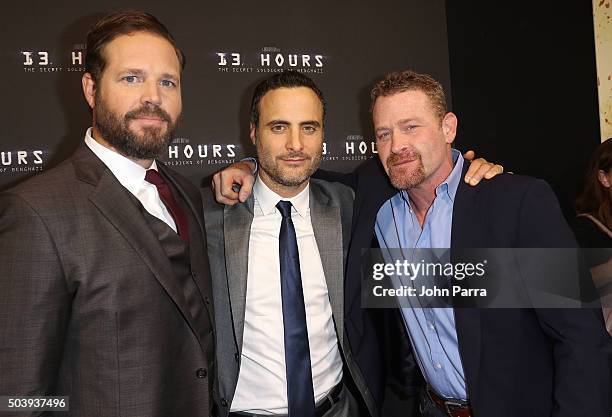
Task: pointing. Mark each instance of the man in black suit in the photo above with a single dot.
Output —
(475, 362)
(105, 284)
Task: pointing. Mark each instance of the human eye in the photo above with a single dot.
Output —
(383, 135)
(168, 83)
(309, 129)
(130, 79)
(409, 127)
(278, 128)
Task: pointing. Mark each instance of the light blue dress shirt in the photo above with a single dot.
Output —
(431, 330)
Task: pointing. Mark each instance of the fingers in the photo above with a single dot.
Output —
(246, 188)
(469, 155)
(496, 169)
(222, 195)
(224, 181)
(479, 169)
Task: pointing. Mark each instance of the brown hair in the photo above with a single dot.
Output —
(121, 23)
(408, 80)
(595, 198)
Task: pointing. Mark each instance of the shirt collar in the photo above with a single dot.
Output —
(128, 172)
(267, 199)
(449, 186)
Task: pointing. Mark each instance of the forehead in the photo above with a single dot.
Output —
(409, 104)
(141, 50)
(291, 104)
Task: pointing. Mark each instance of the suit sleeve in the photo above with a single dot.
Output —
(349, 179)
(582, 349)
(34, 302)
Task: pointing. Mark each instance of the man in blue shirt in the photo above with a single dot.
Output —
(479, 361)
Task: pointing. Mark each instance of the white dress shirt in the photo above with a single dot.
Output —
(262, 381)
(132, 176)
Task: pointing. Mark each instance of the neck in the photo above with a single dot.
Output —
(95, 134)
(282, 190)
(423, 195)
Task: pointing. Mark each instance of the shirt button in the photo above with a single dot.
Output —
(201, 373)
(223, 402)
(432, 326)
(438, 365)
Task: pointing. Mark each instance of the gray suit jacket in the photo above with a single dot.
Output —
(89, 303)
(228, 230)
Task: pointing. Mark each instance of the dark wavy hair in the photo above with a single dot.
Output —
(595, 198)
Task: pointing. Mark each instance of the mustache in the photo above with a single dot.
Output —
(293, 155)
(149, 111)
(406, 156)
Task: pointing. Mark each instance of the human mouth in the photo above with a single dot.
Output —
(294, 159)
(401, 162)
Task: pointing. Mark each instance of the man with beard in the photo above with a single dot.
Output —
(470, 361)
(279, 257)
(105, 281)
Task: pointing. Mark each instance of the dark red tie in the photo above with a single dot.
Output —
(170, 202)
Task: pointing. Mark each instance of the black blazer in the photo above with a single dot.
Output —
(517, 362)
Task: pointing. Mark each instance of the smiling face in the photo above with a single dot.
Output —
(413, 144)
(289, 138)
(137, 101)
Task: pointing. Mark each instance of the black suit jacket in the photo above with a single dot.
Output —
(517, 362)
(90, 306)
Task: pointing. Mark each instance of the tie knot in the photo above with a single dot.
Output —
(153, 177)
(285, 208)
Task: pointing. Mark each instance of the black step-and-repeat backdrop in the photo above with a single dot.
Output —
(230, 46)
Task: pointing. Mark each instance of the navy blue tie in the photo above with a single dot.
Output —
(300, 396)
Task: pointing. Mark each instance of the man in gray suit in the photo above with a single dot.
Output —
(105, 284)
(262, 368)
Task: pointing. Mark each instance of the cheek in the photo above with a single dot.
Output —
(383, 152)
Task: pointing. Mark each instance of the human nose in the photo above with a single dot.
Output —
(399, 143)
(151, 93)
(295, 142)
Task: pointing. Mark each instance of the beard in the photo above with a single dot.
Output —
(405, 178)
(287, 176)
(115, 130)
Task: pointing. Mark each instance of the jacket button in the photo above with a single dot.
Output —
(201, 373)
(207, 300)
(236, 356)
(223, 402)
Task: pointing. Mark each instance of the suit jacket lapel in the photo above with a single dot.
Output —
(467, 320)
(237, 229)
(327, 227)
(114, 202)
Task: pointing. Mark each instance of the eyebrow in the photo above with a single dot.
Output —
(170, 76)
(311, 122)
(134, 71)
(404, 121)
(285, 122)
(140, 73)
